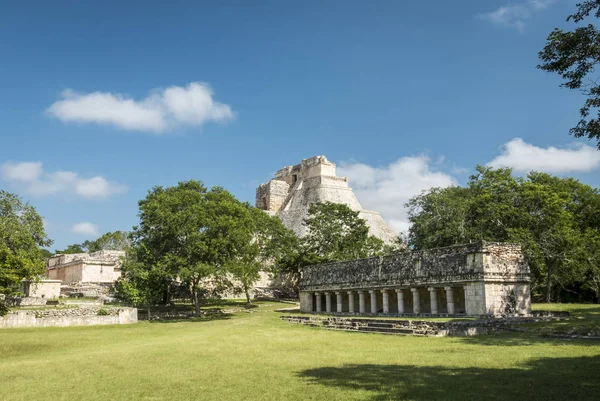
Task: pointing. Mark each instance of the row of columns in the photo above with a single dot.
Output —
(386, 300)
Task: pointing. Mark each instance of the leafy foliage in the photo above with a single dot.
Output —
(555, 219)
(114, 241)
(335, 232)
(21, 237)
(269, 243)
(186, 234)
(574, 55)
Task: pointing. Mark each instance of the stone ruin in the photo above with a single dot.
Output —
(484, 278)
(90, 275)
(290, 192)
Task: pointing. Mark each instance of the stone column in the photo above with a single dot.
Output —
(361, 301)
(400, 294)
(373, 301)
(416, 301)
(350, 301)
(338, 297)
(327, 302)
(386, 301)
(318, 297)
(433, 300)
(309, 302)
(450, 299)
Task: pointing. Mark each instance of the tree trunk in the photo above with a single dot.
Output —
(196, 303)
(548, 295)
(248, 301)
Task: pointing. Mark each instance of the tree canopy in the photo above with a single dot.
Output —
(186, 233)
(574, 55)
(22, 235)
(555, 219)
(114, 241)
(335, 233)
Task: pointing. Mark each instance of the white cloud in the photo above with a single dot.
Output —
(515, 15)
(38, 182)
(27, 171)
(387, 189)
(85, 228)
(524, 157)
(158, 112)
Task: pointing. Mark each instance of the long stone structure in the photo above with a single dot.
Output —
(290, 192)
(483, 278)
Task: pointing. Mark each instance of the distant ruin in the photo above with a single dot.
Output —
(290, 192)
(96, 267)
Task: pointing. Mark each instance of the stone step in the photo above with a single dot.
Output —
(386, 330)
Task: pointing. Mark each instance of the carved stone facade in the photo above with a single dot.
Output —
(474, 279)
(293, 188)
(95, 267)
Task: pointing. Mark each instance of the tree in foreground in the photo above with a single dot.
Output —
(22, 235)
(574, 56)
(187, 234)
(269, 242)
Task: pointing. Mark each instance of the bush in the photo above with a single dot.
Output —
(103, 312)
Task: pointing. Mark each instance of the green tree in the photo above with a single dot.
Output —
(268, 244)
(439, 217)
(188, 234)
(139, 284)
(336, 232)
(550, 217)
(113, 241)
(22, 235)
(574, 55)
(73, 248)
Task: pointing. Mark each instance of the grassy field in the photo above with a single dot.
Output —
(255, 356)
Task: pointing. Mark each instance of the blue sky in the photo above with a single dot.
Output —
(100, 101)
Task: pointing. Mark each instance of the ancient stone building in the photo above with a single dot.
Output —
(474, 279)
(289, 194)
(44, 288)
(96, 267)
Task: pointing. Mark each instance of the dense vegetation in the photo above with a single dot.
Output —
(191, 239)
(557, 221)
(574, 56)
(22, 235)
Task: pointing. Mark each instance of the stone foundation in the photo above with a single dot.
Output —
(69, 317)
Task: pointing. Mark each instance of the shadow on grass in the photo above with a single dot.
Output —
(520, 339)
(193, 319)
(542, 379)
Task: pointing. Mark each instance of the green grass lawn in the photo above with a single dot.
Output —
(256, 356)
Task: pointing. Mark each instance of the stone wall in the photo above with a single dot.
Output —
(476, 279)
(48, 289)
(95, 267)
(461, 263)
(88, 316)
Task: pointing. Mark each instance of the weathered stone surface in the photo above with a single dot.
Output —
(96, 267)
(415, 327)
(48, 289)
(293, 188)
(481, 278)
(88, 316)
